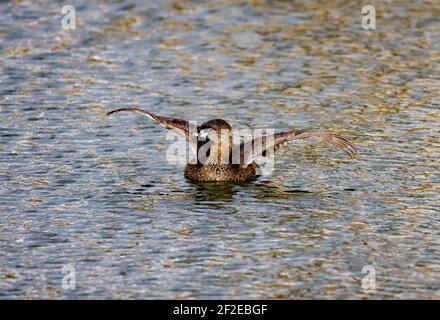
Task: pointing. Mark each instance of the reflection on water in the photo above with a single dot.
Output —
(76, 187)
(220, 192)
(208, 192)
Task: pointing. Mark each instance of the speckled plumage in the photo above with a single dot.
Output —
(220, 172)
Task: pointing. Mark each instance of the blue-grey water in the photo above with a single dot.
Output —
(79, 189)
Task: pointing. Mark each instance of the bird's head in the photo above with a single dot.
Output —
(215, 135)
(215, 125)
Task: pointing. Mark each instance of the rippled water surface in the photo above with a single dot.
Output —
(98, 193)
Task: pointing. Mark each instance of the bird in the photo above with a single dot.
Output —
(219, 159)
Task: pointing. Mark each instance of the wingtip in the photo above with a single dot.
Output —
(346, 145)
(114, 111)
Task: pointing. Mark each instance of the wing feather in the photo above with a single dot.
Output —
(181, 127)
(259, 146)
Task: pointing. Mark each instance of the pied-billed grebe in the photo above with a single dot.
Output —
(231, 162)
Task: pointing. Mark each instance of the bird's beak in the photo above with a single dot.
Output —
(203, 134)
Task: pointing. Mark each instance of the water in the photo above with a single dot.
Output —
(97, 193)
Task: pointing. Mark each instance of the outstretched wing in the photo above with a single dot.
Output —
(259, 146)
(181, 127)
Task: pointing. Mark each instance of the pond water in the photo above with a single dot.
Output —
(97, 194)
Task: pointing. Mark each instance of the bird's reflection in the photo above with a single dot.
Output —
(214, 192)
(221, 192)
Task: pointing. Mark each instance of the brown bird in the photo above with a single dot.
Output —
(218, 159)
